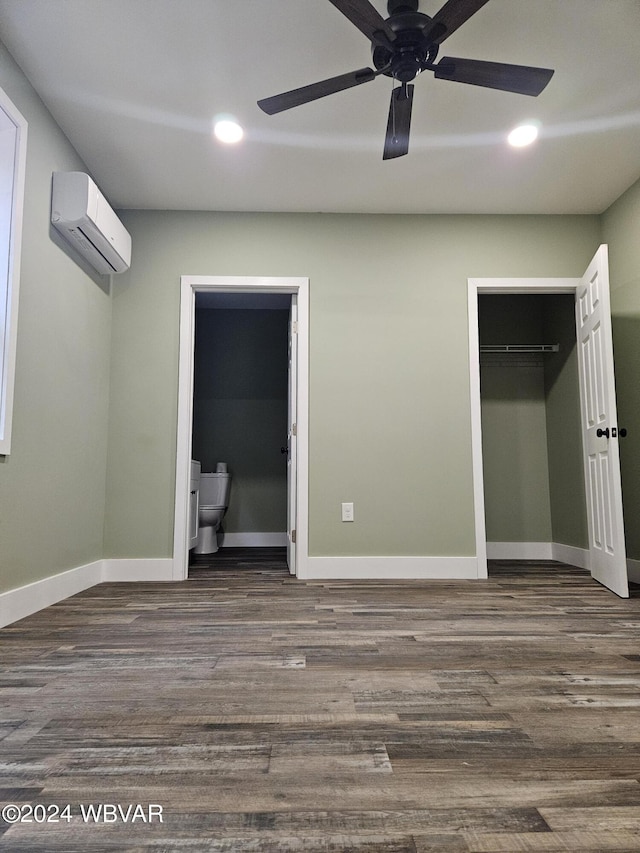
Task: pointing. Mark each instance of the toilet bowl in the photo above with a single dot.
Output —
(214, 499)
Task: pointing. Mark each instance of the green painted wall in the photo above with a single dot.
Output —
(52, 486)
(514, 443)
(240, 411)
(389, 363)
(621, 230)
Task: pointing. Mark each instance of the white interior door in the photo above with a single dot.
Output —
(607, 555)
(292, 436)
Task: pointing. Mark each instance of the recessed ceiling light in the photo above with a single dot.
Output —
(523, 135)
(228, 131)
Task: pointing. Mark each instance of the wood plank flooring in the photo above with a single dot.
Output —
(268, 715)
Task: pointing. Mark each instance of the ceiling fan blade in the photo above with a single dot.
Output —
(453, 14)
(522, 79)
(367, 19)
(396, 142)
(296, 97)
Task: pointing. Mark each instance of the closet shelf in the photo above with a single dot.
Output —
(519, 347)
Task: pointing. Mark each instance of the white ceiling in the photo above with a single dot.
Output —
(135, 85)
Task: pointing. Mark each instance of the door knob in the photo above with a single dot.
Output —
(622, 433)
(602, 433)
(284, 450)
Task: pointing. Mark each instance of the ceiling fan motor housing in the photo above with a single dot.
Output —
(411, 51)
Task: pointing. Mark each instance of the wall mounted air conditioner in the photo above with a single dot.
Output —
(85, 219)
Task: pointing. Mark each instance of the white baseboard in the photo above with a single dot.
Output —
(570, 555)
(21, 602)
(253, 540)
(18, 603)
(390, 568)
(633, 570)
(154, 569)
(25, 600)
(519, 551)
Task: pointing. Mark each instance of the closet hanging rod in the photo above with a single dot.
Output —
(519, 347)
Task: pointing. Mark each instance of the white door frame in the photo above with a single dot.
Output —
(496, 286)
(189, 286)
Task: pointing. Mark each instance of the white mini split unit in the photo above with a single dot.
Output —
(85, 219)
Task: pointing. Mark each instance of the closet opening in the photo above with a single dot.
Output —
(534, 492)
(566, 501)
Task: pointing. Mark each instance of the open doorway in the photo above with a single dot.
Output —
(294, 442)
(240, 411)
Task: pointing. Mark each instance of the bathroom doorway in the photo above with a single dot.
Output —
(240, 404)
(253, 412)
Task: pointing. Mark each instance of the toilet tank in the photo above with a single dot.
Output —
(214, 489)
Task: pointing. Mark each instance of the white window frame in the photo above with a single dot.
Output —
(10, 276)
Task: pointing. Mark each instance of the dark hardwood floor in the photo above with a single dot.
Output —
(263, 714)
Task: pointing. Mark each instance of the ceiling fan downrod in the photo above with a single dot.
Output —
(394, 6)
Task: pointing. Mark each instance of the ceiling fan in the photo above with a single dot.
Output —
(403, 45)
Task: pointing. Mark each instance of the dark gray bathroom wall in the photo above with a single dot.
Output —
(240, 411)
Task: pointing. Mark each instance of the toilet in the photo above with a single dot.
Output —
(214, 499)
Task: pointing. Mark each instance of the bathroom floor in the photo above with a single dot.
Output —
(237, 559)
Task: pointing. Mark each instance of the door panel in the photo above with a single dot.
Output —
(607, 553)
